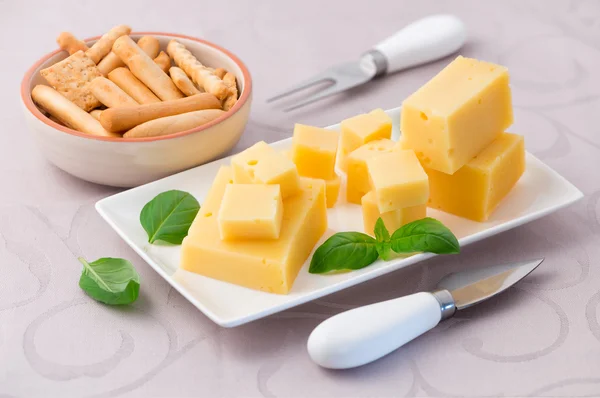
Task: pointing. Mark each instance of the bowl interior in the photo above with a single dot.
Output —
(207, 53)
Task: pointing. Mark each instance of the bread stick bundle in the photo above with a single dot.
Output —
(70, 43)
(200, 74)
(110, 94)
(67, 112)
(144, 68)
(123, 78)
(103, 46)
(124, 118)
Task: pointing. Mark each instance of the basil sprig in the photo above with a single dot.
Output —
(169, 215)
(109, 280)
(355, 250)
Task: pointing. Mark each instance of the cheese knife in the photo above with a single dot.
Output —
(364, 334)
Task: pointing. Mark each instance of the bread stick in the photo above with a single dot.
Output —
(70, 43)
(173, 124)
(127, 82)
(144, 68)
(182, 81)
(220, 73)
(200, 74)
(96, 114)
(229, 80)
(102, 47)
(110, 94)
(163, 61)
(150, 45)
(67, 112)
(125, 118)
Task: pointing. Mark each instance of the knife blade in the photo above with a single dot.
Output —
(364, 334)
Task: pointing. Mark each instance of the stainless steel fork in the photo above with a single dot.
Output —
(423, 41)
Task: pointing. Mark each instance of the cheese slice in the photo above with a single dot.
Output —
(398, 180)
(359, 130)
(314, 150)
(357, 174)
(457, 114)
(267, 265)
(391, 219)
(261, 164)
(477, 188)
(250, 211)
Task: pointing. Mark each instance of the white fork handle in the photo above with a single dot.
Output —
(359, 336)
(423, 41)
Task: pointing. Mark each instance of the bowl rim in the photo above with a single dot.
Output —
(35, 111)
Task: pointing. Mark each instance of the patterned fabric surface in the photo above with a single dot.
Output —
(540, 339)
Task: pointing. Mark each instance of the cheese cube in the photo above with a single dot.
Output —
(314, 150)
(392, 219)
(261, 164)
(398, 180)
(357, 175)
(332, 190)
(250, 211)
(475, 190)
(358, 130)
(457, 114)
(267, 265)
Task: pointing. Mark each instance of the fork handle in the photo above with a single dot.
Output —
(423, 41)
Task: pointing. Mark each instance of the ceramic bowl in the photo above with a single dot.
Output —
(128, 162)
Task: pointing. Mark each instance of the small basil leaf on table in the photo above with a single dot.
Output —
(424, 235)
(344, 251)
(168, 216)
(382, 235)
(109, 280)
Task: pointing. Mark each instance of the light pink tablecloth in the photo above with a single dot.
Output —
(540, 339)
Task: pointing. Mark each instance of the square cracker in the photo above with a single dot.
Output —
(71, 77)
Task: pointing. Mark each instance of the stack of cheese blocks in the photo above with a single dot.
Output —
(259, 221)
(456, 125)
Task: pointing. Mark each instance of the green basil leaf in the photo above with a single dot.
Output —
(343, 251)
(424, 235)
(382, 235)
(111, 281)
(168, 216)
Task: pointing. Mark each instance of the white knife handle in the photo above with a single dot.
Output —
(359, 336)
(423, 41)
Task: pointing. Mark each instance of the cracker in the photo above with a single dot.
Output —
(71, 77)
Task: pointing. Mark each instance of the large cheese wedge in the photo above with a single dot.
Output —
(391, 219)
(475, 190)
(314, 150)
(357, 174)
(261, 164)
(457, 114)
(250, 211)
(267, 265)
(398, 180)
(359, 130)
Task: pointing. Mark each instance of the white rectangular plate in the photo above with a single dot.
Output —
(539, 192)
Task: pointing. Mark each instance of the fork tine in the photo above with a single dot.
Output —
(334, 89)
(321, 77)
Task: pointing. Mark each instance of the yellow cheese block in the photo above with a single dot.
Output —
(398, 180)
(314, 150)
(332, 190)
(457, 114)
(261, 164)
(250, 211)
(357, 175)
(477, 188)
(267, 265)
(360, 129)
(392, 219)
